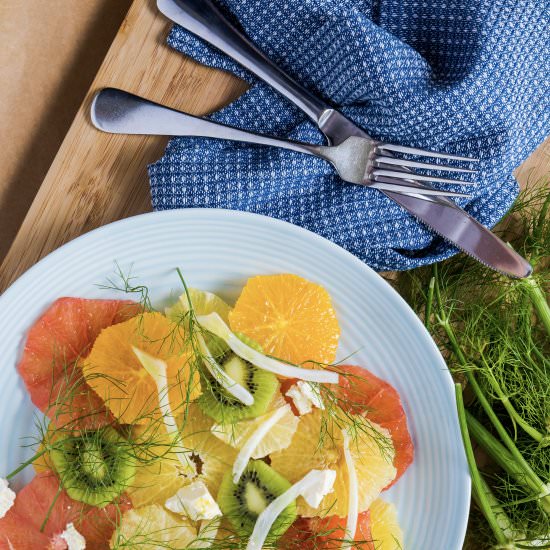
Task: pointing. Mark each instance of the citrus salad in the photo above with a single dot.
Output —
(205, 426)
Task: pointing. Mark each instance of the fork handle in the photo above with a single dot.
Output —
(203, 19)
(120, 112)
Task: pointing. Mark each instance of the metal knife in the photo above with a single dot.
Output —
(202, 18)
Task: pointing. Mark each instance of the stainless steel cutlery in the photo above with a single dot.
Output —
(357, 160)
(357, 157)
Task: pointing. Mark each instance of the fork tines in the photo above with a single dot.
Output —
(393, 167)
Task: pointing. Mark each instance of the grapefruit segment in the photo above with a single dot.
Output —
(15, 533)
(74, 404)
(62, 335)
(318, 444)
(98, 525)
(386, 532)
(153, 527)
(362, 392)
(34, 500)
(327, 533)
(21, 525)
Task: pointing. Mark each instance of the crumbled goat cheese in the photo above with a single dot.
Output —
(74, 540)
(195, 501)
(7, 497)
(305, 396)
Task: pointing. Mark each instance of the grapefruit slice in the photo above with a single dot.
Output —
(99, 524)
(327, 533)
(49, 364)
(159, 472)
(22, 524)
(362, 392)
(203, 303)
(34, 500)
(153, 528)
(14, 533)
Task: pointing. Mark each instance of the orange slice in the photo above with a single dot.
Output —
(386, 533)
(291, 318)
(115, 373)
(215, 456)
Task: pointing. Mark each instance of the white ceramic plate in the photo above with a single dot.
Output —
(218, 250)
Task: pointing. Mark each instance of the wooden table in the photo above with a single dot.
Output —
(98, 178)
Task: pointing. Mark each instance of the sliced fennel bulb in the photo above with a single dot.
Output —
(157, 369)
(254, 440)
(278, 438)
(353, 496)
(214, 323)
(313, 479)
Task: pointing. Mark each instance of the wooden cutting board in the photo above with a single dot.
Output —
(98, 178)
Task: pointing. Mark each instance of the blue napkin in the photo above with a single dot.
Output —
(460, 76)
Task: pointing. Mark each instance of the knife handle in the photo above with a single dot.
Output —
(203, 19)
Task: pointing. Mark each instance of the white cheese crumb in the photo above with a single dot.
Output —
(7, 497)
(325, 482)
(74, 540)
(305, 396)
(195, 501)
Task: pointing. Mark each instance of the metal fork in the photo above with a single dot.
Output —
(357, 160)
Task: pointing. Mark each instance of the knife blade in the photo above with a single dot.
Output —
(443, 216)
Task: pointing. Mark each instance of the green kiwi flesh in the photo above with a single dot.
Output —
(243, 502)
(94, 466)
(217, 403)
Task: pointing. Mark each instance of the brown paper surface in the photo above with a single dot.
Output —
(50, 52)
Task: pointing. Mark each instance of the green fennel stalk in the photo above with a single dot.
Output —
(477, 486)
(519, 470)
(444, 321)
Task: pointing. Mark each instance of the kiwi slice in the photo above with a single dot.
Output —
(95, 466)
(243, 502)
(217, 403)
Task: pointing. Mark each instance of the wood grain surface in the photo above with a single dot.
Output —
(97, 178)
(51, 52)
